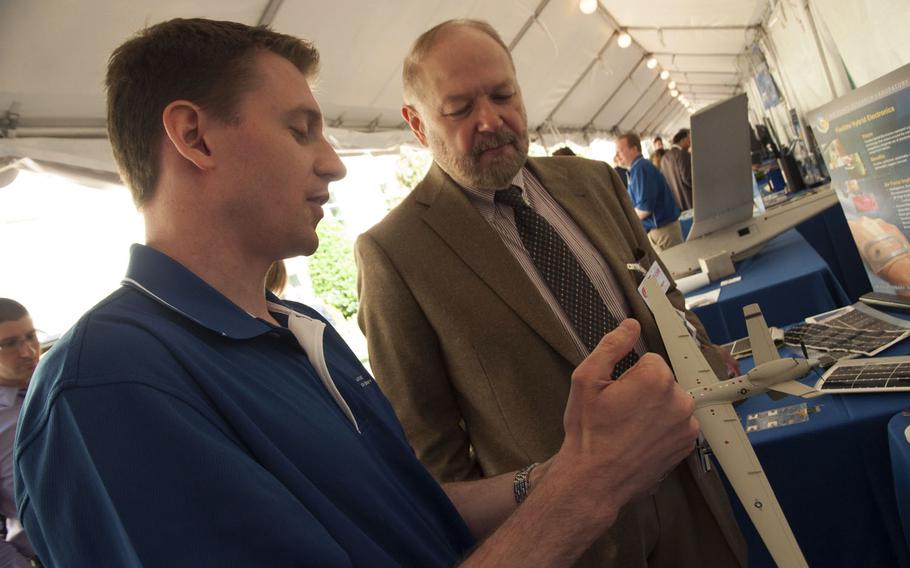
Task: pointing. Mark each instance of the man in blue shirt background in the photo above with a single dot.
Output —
(193, 419)
(651, 196)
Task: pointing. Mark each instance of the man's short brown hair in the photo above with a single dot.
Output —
(11, 310)
(204, 61)
(410, 72)
(632, 140)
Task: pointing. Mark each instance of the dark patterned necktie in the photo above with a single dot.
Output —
(564, 275)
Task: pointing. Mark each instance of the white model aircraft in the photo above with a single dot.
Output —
(720, 424)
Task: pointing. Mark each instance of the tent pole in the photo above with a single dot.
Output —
(616, 90)
(647, 112)
(821, 51)
(581, 77)
(631, 108)
(268, 15)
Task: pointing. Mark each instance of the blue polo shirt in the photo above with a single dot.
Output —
(171, 428)
(649, 192)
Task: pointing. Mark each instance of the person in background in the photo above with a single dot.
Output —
(656, 156)
(658, 143)
(621, 171)
(654, 203)
(19, 352)
(676, 166)
(276, 278)
(494, 278)
(564, 151)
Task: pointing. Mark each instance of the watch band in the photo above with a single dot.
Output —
(521, 485)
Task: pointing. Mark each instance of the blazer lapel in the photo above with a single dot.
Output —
(450, 214)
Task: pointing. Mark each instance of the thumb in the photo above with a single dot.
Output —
(612, 347)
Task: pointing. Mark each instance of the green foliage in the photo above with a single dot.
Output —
(332, 269)
(413, 164)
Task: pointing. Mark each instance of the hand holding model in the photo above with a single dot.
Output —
(644, 416)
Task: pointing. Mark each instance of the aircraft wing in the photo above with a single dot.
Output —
(689, 365)
(724, 432)
(796, 388)
(721, 427)
(763, 348)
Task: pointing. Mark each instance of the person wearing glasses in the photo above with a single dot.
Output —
(19, 352)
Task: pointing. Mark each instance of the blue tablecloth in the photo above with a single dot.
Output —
(899, 442)
(788, 279)
(833, 478)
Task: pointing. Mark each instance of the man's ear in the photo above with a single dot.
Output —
(414, 121)
(184, 124)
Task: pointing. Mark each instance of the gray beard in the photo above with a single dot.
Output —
(467, 170)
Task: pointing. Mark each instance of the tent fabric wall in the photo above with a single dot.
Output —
(871, 35)
(796, 56)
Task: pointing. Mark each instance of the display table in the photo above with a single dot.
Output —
(833, 478)
(830, 236)
(787, 278)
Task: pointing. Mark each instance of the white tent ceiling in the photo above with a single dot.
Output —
(574, 76)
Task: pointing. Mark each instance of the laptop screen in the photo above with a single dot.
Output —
(864, 138)
(721, 166)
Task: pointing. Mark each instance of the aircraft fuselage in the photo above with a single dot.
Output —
(756, 381)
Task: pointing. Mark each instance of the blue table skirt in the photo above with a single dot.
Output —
(830, 236)
(898, 431)
(833, 478)
(787, 278)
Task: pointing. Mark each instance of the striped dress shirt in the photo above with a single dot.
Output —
(501, 218)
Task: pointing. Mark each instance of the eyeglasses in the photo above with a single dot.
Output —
(13, 344)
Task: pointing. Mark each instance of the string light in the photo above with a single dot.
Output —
(664, 74)
(674, 93)
(624, 40)
(652, 62)
(671, 85)
(587, 6)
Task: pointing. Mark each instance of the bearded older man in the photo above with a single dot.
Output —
(494, 278)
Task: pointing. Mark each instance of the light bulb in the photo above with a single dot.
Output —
(664, 74)
(624, 40)
(671, 85)
(674, 93)
(652, 62)
(587, 6)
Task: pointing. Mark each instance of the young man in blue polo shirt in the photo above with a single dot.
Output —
(651, 196)
(193, 419)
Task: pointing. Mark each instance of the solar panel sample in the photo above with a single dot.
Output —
(860, 316)
(828, 337)
(888, 374)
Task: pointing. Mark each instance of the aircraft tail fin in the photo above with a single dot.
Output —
(763, 348)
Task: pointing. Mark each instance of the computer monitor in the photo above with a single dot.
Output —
(721, 166)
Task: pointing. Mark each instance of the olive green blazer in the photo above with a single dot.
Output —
(475, 363)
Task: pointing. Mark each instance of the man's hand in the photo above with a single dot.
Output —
(623, 436)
